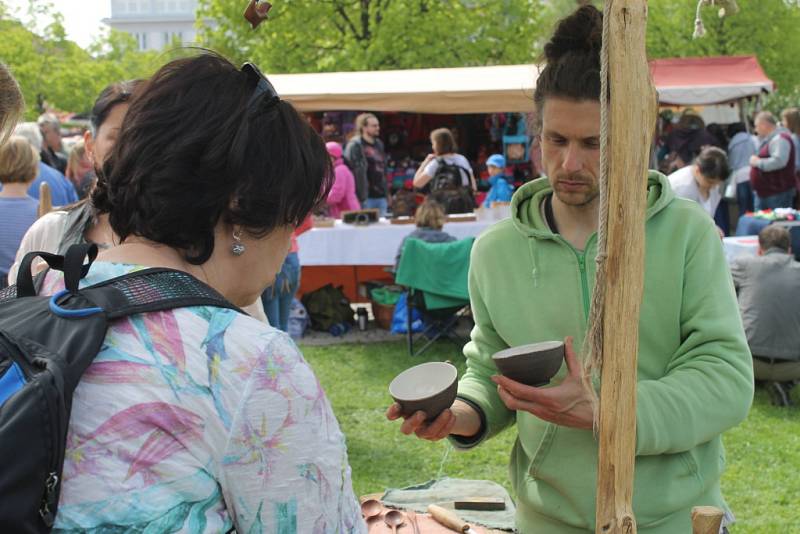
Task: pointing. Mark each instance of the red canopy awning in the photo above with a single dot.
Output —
(708, 80)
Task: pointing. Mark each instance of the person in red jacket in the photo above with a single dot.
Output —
(342, 196)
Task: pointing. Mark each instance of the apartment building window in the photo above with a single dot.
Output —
(133, 6)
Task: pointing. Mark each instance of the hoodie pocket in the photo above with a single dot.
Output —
(542, 450)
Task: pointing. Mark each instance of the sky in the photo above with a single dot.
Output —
(82, 18)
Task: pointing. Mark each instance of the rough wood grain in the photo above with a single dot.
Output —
(45, 199)
(632, 112)
(706, 519)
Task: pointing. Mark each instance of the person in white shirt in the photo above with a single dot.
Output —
(702, 180)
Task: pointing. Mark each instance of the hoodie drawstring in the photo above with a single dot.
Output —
(534, 253)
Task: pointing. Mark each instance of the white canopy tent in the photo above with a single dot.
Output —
(506, 88)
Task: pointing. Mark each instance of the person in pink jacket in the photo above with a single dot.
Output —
(343, 193)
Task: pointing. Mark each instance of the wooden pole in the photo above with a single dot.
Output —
(631, 120)
(45, 199)
(706, 519)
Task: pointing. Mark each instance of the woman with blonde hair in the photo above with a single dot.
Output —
(79, 169)
(429, 218)
(19, 165)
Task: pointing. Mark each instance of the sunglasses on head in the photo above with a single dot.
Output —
(262, 85)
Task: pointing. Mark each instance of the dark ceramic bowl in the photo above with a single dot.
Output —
(533, 364)
(428, 387)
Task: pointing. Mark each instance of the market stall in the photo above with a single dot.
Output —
(413, 99)
(703, 81)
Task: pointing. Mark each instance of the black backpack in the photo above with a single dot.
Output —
(46, 344)
(448, 189)
(448, 175)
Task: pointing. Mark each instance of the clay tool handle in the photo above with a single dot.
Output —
(448, 518)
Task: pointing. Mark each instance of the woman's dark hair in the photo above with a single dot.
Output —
(734, 128)
(444, 141)
(712, 162)
(112, 95)
(196, 148)
(572, 58)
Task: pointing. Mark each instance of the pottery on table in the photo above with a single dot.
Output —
(534, 364)
(428, 387)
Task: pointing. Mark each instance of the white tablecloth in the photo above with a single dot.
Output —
(376, 244)
(746, 245)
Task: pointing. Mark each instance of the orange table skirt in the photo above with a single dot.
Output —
(348, 276)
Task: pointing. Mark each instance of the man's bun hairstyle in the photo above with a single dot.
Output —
(572, 59)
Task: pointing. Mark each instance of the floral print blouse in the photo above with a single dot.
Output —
(201, 420)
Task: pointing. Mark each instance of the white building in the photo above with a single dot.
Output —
(155, 23)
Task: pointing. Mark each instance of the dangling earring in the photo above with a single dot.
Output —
(237, 248)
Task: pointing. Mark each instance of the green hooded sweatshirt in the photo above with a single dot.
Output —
(695, 377)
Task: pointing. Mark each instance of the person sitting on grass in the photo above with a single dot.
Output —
(768, 288)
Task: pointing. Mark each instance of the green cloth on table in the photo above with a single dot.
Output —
(439, 270)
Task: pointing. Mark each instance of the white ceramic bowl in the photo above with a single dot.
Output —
(429, 387)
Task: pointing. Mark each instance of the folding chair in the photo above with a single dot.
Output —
(436, 277)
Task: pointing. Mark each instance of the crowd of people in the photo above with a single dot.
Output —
(204, 169)
(761, 169)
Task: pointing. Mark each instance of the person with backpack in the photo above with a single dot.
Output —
(199, 418)
(446, 174)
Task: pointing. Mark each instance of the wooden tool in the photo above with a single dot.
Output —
(449, 519)
(706, 519)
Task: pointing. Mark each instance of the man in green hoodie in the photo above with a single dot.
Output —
(695, 377)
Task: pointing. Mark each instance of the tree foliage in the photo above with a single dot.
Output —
(346, 35)
(768, 29)
(53, 71)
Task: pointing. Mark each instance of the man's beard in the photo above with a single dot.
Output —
(586, 193)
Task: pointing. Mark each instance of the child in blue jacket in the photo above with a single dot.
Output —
(500, 191)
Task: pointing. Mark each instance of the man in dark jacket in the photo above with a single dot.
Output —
(51, 148)
(367, 159)
(768, 288)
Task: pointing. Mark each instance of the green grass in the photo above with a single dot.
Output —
(761, 484)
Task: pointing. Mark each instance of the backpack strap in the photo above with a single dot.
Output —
(71, 264)
(150, 290)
